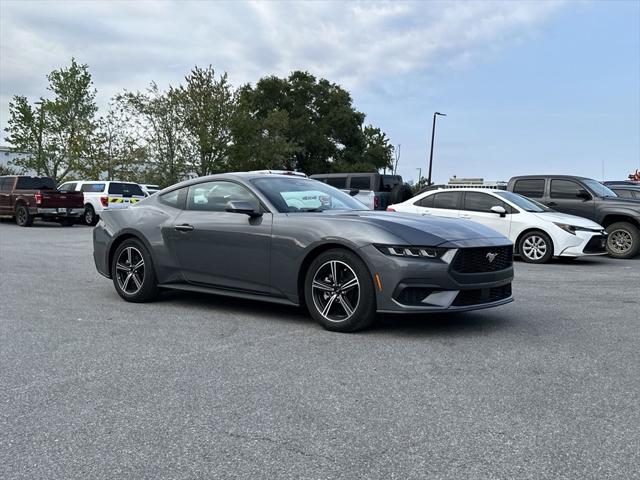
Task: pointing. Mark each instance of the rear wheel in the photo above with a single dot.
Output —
(23, 217)
(623, 240)
(132, 272)
(90, 217)
(535, 247)
(339, 291)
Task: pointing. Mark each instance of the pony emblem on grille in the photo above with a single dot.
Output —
(491, 256)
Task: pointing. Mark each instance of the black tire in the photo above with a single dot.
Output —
(142, 285)
(400, 193)
(90, 218)
(23, 217)
(623, 240)
(348, 266)
(535, 247)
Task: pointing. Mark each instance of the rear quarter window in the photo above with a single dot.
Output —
(360, 183)
(35, 183)
(338, 182)
(530, 187)
(126, 189)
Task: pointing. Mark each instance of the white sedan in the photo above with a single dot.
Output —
(538, 233)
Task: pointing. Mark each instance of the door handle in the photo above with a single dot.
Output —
(184, 227)
(468, 217)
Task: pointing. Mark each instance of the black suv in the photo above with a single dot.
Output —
(591, 199)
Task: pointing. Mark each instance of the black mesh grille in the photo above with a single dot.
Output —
(414, 295)
(597, 244)
(482, 295)
(478, 260)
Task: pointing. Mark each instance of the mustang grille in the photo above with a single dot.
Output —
(483, 259)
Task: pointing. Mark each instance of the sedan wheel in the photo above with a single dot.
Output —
(536, 247)
(132, 272)
(339, 291)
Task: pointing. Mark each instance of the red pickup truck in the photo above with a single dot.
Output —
(26, 198)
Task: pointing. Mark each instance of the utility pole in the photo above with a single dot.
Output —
(433, 135)
(395, 167)
(419, 175)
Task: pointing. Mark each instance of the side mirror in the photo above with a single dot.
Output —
(246, 208)
(353, 192)
(583, 194)
(500, 210)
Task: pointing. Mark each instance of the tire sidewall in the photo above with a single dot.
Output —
(364, 313)
(149, 284)
(28, 219)
(635, 238)
(547, 256)
(94, 217)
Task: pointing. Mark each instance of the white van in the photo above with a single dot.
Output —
(103, 195)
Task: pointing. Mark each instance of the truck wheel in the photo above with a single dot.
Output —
(535, 247)
(90, 217)
(339, 292)
(132, 272)
(23, 217)
(623, 240)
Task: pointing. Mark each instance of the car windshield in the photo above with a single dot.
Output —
(296, 194)
(599, 189)
(524, 203)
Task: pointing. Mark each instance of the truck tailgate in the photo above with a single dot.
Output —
(55, 199)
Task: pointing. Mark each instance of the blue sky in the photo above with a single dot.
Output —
(528, 86)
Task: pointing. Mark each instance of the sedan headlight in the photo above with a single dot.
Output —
(414, 252)
(572, 229)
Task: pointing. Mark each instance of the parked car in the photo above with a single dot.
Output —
(26, 198)
(375, 190)
(630, 190)
(590, 199)
(104, 195)
(244, 235)
(149, 189)
(538, 233)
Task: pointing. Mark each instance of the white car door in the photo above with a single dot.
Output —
(477, 207)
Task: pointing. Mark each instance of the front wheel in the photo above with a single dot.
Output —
(23, 217)
(132, 272)
(623, 240)
(535, 247)
(339, 292)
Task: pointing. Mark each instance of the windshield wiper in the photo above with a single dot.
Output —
(316, 209)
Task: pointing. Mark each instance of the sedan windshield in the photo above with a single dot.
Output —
(524, 203)
(599, 189)
(294, 194)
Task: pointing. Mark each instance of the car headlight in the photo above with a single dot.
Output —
(572, 229)
(413, 252)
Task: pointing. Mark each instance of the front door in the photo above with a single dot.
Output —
(564, 196)
(477, 207)
(221, 249)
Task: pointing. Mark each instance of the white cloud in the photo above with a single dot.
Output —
(357, 44)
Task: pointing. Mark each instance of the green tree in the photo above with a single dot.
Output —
(156, 114)
(57, 132)
(206, 105)
(310, 124)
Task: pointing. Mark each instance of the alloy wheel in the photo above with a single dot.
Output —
(22, 216)
(130, 270)
(336, 291)
(534, 247)
(88, 216)
(620, 241)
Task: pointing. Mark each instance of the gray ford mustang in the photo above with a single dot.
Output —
(298, 241)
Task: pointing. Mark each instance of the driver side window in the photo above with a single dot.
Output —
(214, 196)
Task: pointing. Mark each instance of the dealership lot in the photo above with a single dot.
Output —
(196, 386)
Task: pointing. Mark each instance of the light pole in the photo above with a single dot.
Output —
(419, 174)
(433, 134)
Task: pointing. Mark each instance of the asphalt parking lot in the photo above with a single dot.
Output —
(196, 386)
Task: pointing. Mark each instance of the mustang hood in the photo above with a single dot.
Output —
(429, 231)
